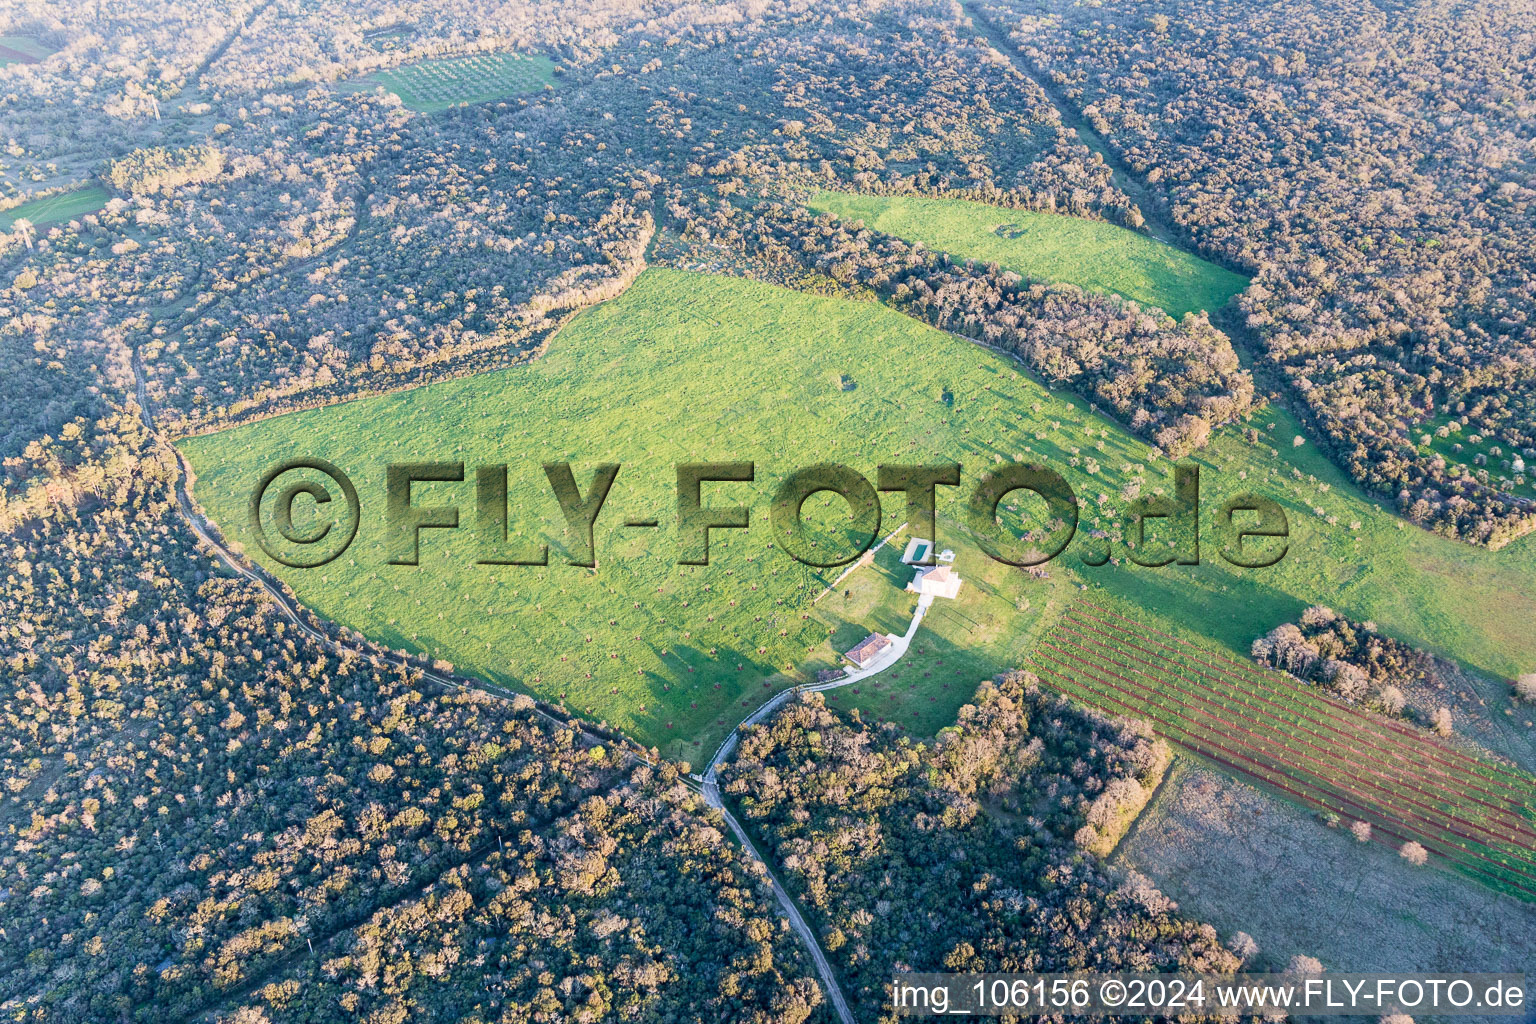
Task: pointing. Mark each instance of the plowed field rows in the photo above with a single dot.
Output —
(1406, 784)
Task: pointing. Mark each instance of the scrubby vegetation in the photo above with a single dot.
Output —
(1392, 252)
(1351, 658)
(195, 794)
(1358, 663)
(163, 171)
(1226, 850)
(969, 854)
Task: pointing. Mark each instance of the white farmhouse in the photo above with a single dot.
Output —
(938, 581)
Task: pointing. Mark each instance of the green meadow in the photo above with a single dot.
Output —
(1094, 255)
(689, 367)
(19, 49)
(1475, 452)
(385, 40)
(991, 625)
(58, 208)
(434, 85)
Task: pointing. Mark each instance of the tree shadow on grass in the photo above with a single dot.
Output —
(1233, 619)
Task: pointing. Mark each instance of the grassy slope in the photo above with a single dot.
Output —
(56, 209)
(687, 367)
(436, 85)
(1093, 255)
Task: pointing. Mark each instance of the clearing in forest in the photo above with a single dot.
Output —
(57, 208)
(1223, 848)
(1478, 814)
(1478, 453)
(1093, 255)
(687, 367)
(22, 50)
(434, 85)
(681, 368)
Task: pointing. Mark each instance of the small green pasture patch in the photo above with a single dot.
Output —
(1478, 452)
(22, 50)
(435, 85)
(386, 40)
(57, 208)
(1093, 255)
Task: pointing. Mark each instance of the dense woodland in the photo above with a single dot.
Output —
(1170, 381)
(1372, 165)
(976, 853)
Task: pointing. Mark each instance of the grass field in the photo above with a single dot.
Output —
(58, 208)
(691, 367)
(992, 624)
(435, 85)
(385, 40)
(22, 50)
(1463, 445)
(1478, 815)
(1094, 255)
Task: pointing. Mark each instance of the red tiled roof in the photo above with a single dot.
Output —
(868, 648)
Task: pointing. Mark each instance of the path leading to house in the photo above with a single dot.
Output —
(710, 787)
(787, 904)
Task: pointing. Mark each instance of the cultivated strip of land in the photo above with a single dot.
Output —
(437, 85)
(1476, 814)
(64, 205)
